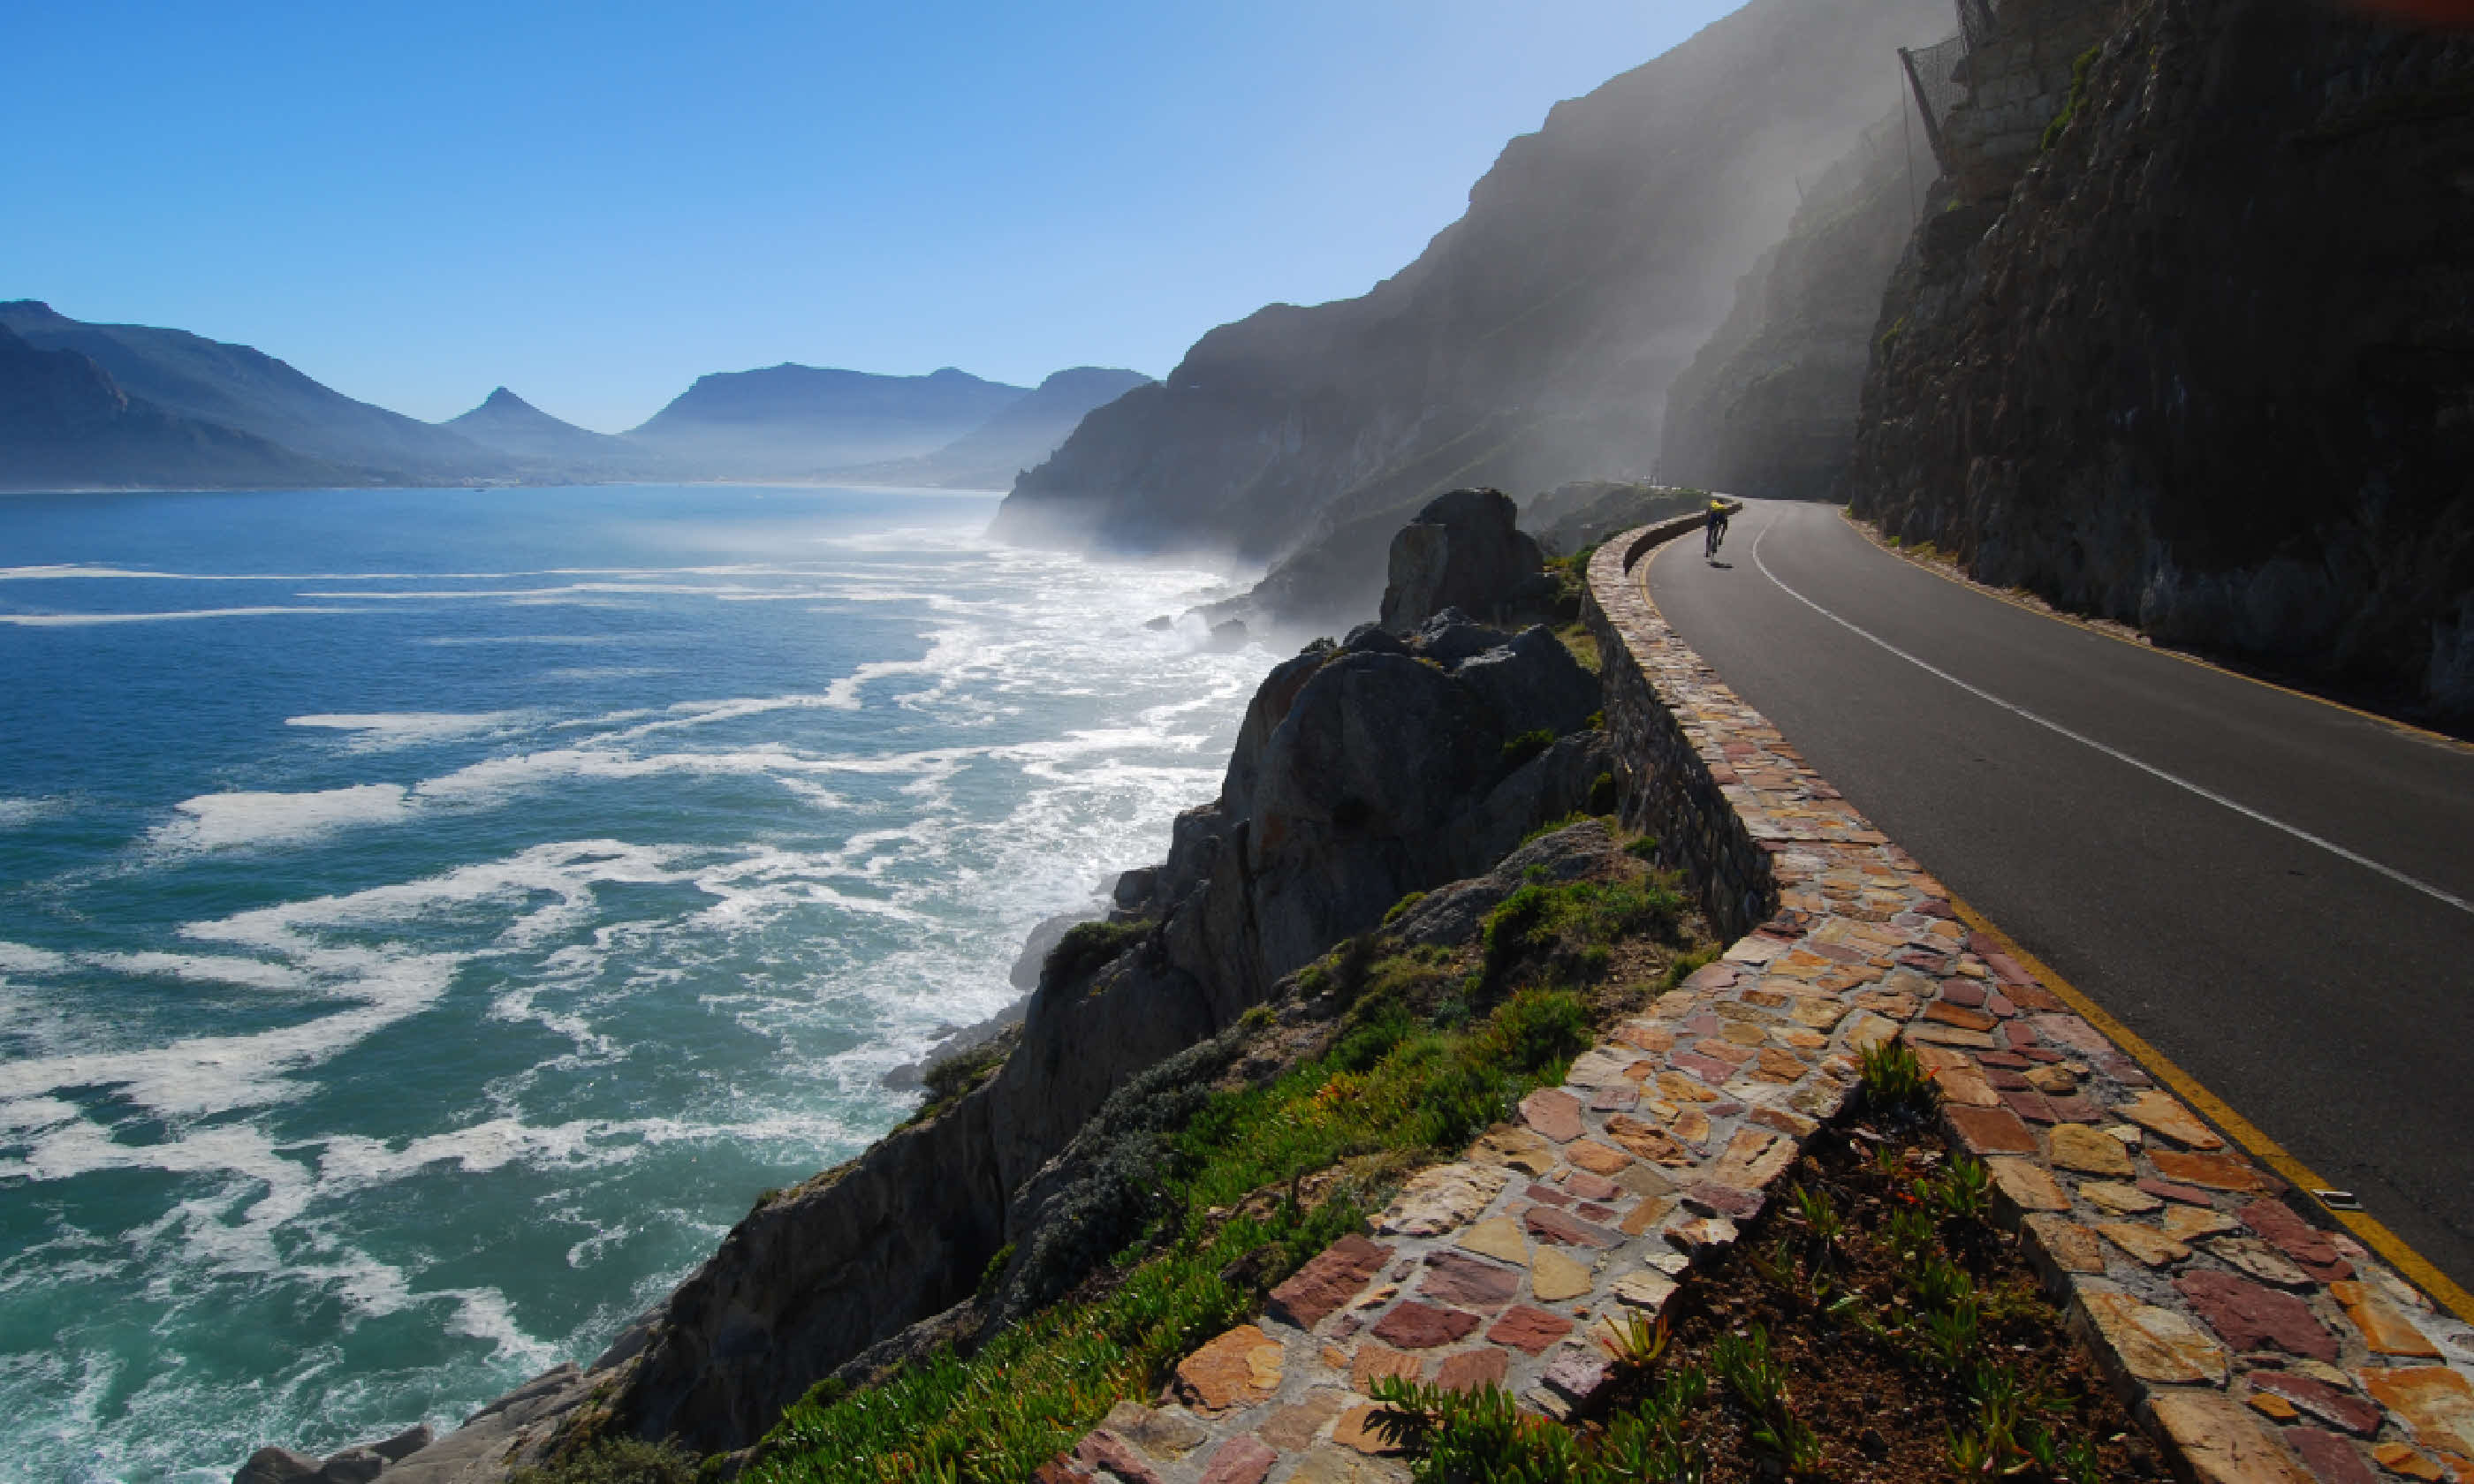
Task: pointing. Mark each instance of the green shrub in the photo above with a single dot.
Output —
(1555, 922)
(1565, 821)
(1403, 907)
(2078, 94)
(1463, 1437)
(1604, 794)
(1895, 1083)
(1527, 745)
(994, 1272)
(950, 1079)
(1085, 947)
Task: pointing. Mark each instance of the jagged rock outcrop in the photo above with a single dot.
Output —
(1094, 1197)
(1534, 340)
(1464, 550)
(1363, 771)
(2205, 364)
(1768, 406)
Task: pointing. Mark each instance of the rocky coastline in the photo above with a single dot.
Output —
(1413, 754)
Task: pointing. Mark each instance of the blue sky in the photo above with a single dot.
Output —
(594, 203)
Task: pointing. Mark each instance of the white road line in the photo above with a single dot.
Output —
(2115, 753)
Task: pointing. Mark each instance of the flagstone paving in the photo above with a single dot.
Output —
(2258, 1344)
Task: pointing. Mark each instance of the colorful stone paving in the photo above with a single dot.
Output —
(2258, 1345)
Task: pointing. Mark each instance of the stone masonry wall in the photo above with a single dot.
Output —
(1669, 792)
(2257, 1345)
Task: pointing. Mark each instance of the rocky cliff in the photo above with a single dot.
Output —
(1362, 772)
(1534, 340)
(1768, 406)
(2187, 339)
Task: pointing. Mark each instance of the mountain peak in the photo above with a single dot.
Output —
(505, 400)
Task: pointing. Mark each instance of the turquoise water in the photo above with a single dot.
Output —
(428, 918)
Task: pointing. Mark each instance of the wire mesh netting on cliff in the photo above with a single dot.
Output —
(1940, 75)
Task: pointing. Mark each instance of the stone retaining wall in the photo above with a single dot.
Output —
(2256, 1345)
(1670, 791)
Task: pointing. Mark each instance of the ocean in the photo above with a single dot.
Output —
(429, 919)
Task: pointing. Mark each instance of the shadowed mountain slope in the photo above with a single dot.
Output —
(1768, 407)
(791, 422)
(210, 381)
(64, 423)
(992, 455)
(510, 425)
(1535, 339)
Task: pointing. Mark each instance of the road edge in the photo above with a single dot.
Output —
(1733, 803)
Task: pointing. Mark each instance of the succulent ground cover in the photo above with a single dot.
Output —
(1875, 1326)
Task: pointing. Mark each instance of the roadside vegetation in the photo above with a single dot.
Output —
(1398, 1057)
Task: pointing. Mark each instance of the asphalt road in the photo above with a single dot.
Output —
(2326, 999)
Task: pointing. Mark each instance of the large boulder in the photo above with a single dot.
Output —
(1464, 550)
(403, 1445)
(276, 1466)
(353, 1465)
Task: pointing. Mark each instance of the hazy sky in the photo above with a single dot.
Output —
(594, 203)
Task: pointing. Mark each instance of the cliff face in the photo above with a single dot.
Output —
(2205, 364)
(1360, 773)
(1532, 342)
(1768, 407)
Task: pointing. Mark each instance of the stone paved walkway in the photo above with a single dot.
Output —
(2259, 1346)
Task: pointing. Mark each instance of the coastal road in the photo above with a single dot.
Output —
(2276, 893)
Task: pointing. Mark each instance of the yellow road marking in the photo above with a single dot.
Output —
(1982, 590)
(2267, 1151)
(2373, 1234)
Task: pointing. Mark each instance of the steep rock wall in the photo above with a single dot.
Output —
(1532, 342)
(1768, 407)
(2205, 364)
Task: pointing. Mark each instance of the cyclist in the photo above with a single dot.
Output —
(1717, 526)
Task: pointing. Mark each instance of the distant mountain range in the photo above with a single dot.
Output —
(102, 406)
(1021, 436)
(65, 422)
(513, 426)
